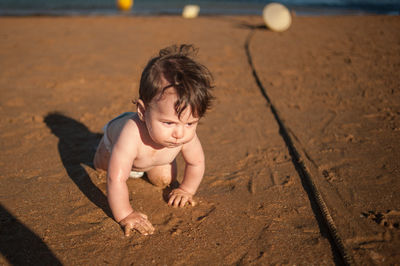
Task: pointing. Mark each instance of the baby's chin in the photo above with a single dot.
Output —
(173, 145)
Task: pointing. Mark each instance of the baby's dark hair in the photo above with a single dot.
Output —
(191, 80)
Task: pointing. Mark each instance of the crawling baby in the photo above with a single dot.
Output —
(174, 93)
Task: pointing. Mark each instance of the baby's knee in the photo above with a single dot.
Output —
(165, 181)
(161, 181)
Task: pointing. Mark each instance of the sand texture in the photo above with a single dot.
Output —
(319, 101)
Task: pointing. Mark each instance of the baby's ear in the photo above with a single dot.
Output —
(141, 109)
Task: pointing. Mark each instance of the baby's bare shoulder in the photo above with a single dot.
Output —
(130, 128)
(125, 131)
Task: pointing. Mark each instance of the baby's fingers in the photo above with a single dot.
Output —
(149, 227)
(180, 201)
(179, 198)
(171, 200)
(188, 200)
(183, 202)
(139, 222)
(142, 229)
(145, 227)
(128, 228)
(175, 200)
(143, 215)
(192, 202)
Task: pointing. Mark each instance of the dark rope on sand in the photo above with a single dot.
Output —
(315, 195)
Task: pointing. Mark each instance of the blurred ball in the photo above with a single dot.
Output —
(190, 11)
(124, 5)
(277, 17)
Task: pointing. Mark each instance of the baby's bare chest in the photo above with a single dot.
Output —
(149, 158)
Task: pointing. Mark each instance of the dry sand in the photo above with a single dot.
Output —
(333, 81)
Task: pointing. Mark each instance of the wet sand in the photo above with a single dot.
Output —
(333, 82)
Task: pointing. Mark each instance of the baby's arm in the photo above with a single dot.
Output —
(120, 164)
(193, 155)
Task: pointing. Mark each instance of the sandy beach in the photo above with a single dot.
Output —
(327, 91)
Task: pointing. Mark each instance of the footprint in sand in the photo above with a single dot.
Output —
(282, 174)
(176, 223)
(329, 175)
(170, 224)
(389, 219)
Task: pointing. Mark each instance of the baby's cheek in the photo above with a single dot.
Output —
(152, 130)
(191, 136)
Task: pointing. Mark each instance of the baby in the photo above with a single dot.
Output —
(174, 94)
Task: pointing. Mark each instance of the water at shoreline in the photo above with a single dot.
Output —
(174, 7)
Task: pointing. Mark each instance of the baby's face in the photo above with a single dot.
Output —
(163, 124)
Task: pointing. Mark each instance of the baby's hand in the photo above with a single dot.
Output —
(179, 197)
(137, 221)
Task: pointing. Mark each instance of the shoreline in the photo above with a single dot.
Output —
(240, 10)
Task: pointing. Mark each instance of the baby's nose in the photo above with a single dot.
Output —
(178, 132)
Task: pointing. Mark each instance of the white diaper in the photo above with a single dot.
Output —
(134, 174)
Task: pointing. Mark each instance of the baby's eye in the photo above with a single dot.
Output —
(168, 123)
(191, 124)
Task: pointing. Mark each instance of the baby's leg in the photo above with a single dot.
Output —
(162, 176)
(101, 157)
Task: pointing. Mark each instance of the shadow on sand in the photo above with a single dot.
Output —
(77, 146)
(20, 246)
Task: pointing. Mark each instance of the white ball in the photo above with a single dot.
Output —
(277, 17)
(190, 11)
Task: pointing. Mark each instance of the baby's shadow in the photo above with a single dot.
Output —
(77, 146)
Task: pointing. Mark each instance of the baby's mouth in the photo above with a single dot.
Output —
(174, 144)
